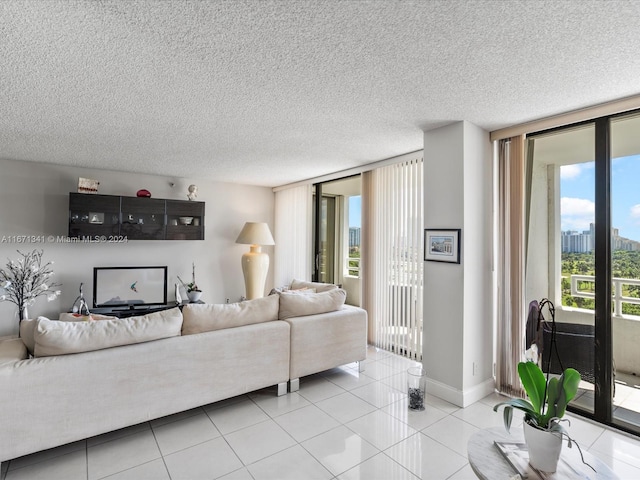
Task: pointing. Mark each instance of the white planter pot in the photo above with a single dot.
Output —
(194, 296)
(544, 448)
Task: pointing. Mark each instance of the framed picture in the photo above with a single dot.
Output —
(442, 245)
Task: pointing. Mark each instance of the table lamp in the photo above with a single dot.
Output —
(255, 263)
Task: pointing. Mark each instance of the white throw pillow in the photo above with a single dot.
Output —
(59, 338)
(292, 305)
(200, 318)
(319, 287)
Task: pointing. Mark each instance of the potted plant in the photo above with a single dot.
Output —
(193, 292)
(543, 413)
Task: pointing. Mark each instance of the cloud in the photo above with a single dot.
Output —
(635, 212)
(577, 213)
(567, 172)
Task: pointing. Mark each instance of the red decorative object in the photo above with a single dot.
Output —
(143, 193)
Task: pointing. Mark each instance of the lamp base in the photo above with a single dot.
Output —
(255, 265)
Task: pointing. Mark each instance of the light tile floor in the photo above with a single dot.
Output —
(341, 425)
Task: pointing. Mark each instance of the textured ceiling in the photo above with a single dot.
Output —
(271, 92)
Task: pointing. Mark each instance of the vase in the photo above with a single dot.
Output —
(417, 387)
(544, 448)
(194, 296)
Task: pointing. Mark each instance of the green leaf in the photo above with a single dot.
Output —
(554, 392)
(571, 382)
(534, 383)
(518, 403)
(560, 393)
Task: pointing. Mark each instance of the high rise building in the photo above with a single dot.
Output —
(354, 237)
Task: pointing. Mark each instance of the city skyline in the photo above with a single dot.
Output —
(577, 190)
(573, 241)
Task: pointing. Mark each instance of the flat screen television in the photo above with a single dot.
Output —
(129, 287)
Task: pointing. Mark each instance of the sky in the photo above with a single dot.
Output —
(577, 190)
(355, 204)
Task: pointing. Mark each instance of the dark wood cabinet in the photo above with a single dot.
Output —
(143, 218)
(136, 218)
(185, 220)
(93, 215)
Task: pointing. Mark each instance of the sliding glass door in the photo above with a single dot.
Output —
(583, 253)
(625, 267)
(560, 249)
(337, 235)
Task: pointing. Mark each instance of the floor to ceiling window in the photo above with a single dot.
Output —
(583, 253)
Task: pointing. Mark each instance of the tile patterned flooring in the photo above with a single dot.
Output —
(341, 425)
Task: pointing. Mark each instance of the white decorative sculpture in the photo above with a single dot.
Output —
(178, 296)
(193, 192)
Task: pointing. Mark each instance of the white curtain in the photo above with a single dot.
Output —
(292, 235)
(511, 265)
(392, 265)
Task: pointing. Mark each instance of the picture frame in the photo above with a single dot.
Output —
(442, 245)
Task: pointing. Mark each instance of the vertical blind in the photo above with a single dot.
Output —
(292, 234)
(393, 259)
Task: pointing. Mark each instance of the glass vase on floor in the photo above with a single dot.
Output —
(417, 387)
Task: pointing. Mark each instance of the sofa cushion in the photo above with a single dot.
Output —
(292, 305)
(200, 318)
(319, 287)
(59, 338)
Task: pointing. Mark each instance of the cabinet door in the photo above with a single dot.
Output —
(143, 218)
(185, 220)
(93, 215)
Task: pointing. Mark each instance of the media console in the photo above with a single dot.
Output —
(133, 311)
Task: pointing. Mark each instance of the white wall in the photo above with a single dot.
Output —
(443, 318)
(34, 201)
(458, 335)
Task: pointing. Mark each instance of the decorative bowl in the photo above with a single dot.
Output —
(185, 220)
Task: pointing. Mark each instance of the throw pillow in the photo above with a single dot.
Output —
(319, 287)
(292, 305)
(277, 290)
(59, 338)
(206, 318)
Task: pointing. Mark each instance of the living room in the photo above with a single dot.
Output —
(241, 98)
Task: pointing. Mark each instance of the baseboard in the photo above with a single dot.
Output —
(458, 397)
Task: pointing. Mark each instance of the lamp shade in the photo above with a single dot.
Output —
(255, 233)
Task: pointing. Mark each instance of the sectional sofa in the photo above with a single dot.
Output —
(65, 381)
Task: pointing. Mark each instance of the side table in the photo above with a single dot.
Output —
(489, 464)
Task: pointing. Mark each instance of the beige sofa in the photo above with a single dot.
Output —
(323, 341)
(218, 351)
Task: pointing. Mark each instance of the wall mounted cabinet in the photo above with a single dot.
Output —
(136, 218)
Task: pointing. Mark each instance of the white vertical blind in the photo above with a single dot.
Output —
(292, 235)
(393, 258)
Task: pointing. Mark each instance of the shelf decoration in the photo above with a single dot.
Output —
(87, 185)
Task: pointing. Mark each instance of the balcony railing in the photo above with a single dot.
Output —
(618, 297)
(352, 266)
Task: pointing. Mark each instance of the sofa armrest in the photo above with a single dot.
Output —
(327, 340)
(12, 350)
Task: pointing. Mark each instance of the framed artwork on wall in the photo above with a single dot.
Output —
(442, 245)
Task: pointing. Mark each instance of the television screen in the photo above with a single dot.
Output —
(129, 286)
